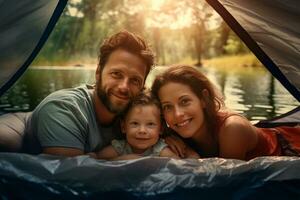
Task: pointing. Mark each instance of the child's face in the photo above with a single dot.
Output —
(142, 126)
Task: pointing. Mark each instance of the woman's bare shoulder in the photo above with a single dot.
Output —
(237, 121)
(237, 134)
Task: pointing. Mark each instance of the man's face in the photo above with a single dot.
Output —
(123, 76)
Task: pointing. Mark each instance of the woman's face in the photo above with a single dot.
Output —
(182, 109)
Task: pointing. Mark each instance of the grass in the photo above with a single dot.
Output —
(229, 62)
(248, 60)
(224, 62)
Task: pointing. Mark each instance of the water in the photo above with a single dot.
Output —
(252, 92)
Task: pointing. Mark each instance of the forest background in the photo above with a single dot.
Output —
(181, 31)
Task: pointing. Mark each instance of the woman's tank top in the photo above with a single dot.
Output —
(279, 141)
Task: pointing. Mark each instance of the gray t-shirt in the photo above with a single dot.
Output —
(66, 118)
(123, 148)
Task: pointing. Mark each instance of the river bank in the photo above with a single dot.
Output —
(225, 62)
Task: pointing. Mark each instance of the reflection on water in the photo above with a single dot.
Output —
(252, 92)
(37, 83)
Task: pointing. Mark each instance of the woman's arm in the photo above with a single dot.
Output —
(179, 148)
(190, 153)
(237, 137)
(176, 145)
(167, 152)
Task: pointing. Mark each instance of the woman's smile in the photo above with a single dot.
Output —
(182, 109)
(183, 123)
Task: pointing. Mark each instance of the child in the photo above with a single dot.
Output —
(142, 125)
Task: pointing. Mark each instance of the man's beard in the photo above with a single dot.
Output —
(103, 96)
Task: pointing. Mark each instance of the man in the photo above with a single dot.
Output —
(78, 121)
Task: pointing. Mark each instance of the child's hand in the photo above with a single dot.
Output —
(127, 157)
(176, 145)
(92, 154)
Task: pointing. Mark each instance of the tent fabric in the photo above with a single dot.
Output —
(82, 177)
(271, 29)
(291, 118)
(24, 27)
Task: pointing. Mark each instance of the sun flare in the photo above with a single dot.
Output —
(156, 4)
(165, 14)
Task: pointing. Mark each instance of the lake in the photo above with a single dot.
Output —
(251, 91)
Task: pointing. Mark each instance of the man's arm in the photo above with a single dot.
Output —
(63, 151)
(58, 130)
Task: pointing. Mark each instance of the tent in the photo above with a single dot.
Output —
(271, 29)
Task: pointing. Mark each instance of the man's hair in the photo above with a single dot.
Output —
(127, 41)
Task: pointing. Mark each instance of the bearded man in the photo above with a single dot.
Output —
(78, 121)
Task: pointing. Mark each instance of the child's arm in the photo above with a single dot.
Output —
(167, 152)
(127, 157)
(109, 153)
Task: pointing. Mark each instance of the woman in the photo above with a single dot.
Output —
(195, 111)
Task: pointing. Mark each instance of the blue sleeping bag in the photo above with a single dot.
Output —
(24, 176)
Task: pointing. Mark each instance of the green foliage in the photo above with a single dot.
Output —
(235, 46)
(179, 31)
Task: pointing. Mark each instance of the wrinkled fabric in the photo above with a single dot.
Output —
(22, 24)
(50, 177)
(275, 27)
